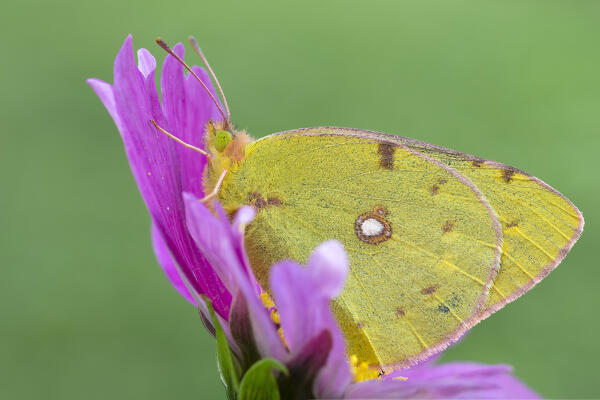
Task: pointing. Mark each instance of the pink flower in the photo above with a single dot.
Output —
(203, 256)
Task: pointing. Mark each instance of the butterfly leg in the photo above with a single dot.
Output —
(215, 191)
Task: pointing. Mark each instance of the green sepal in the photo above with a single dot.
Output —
(259, 383)
(225, 361)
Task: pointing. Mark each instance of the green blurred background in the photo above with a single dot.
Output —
(86, 311)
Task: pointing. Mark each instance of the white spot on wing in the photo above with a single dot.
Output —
(372, 227)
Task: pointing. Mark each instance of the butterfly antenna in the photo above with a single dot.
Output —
(198, 51)
(175, 138)
(166, 48)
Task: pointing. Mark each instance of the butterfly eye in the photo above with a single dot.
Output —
(222, 139)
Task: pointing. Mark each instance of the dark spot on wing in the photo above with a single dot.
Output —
(434, 190)
(429, 290)
(400, 312)
(442, 181)
(386, 155)
(443, 309)
(274, 201)
(512, 224)
(507, 175)
(454, 301)
(478, 162)
(257, 201)
(448, 226)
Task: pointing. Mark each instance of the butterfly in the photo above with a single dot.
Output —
(437, 239)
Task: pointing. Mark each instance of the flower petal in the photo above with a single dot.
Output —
(165, 260)
(304, 367)
(105, 93)
(242, 333)
(215, 237)
(507, 387)
(485, 381)
(329, 266)
(147, 63)
(446, 381)
(154, 165)
(188, 107)
(199, 110)
(302, 296)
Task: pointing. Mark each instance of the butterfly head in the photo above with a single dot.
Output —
(222, 139)
(224, 142)
(226, 150)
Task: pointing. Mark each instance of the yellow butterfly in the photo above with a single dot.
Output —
(437, 240)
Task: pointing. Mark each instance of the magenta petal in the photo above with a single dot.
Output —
(105, 93)
(199, 109)
(168, 265)
(447, 381)
(146, 62)
(508, 387)
(305, 366)
(221, 242)
(154, 164)
(242, 333)
(188, 107)
(328, 266)
(303, 296)
(485, 381)
(212, 236)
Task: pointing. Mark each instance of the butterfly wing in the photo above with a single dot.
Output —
(424, 244)
(539, 224)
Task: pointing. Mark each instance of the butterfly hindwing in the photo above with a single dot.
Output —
(423, 243)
